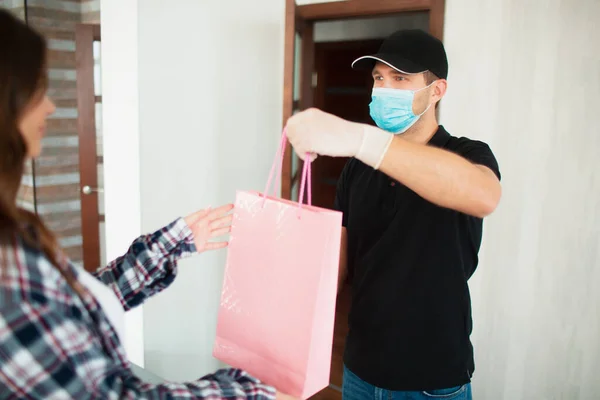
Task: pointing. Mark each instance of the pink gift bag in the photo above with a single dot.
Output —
(277, 308)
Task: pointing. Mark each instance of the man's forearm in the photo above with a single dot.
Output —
(442, 177)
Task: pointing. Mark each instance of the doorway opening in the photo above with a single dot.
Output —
(321, 43)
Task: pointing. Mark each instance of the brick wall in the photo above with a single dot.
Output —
(17, 7)
(90, 11)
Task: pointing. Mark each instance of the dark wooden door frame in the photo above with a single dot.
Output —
(85, 35)
(301, 19)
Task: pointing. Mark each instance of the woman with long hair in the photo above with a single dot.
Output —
(61, 329)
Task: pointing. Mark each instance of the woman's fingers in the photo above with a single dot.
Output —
(196, 216)
(218, 212)
(208, 214)
(221, 222)
(220, 232)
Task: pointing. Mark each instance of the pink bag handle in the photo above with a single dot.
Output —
(277, 167)
(306, 175)
(277, 164)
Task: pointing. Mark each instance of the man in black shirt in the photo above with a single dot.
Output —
(413, 199)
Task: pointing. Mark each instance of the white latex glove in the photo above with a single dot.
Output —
(316, 132)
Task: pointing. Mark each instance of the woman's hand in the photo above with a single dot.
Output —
(208, 224)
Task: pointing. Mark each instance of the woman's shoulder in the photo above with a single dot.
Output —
(26, 274)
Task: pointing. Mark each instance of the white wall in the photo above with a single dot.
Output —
(210, 80)
(121, 142)
(526, 79)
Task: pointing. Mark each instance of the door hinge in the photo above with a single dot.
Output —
(315, 79)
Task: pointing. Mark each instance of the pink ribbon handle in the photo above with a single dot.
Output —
(276, 171)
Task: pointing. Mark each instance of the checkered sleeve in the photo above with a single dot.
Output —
(48, 351)
(150, 264)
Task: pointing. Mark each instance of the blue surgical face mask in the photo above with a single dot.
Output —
(392, 109)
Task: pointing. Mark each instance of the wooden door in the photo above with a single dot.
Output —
(300, 81)
(344, 92)
(89, 106)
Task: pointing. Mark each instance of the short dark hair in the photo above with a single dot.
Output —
(430, 77)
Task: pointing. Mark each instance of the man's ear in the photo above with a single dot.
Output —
(439, 89)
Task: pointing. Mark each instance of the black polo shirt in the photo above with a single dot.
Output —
(409, 261)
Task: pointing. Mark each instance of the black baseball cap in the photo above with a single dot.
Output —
(409, 51)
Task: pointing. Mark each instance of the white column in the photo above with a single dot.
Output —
(120, 120)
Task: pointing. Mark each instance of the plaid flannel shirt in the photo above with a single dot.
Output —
(57, 345)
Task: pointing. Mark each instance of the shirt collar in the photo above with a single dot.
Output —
(440, 138)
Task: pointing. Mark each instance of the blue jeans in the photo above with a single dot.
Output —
(355, 388)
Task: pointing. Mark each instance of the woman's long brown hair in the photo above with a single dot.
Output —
(23, 83)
